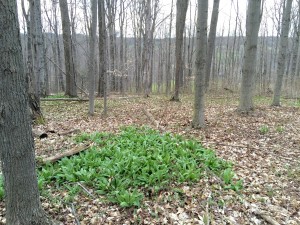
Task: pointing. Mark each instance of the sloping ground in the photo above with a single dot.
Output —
(264, 147)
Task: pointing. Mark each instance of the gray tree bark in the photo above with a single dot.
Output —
(22, 201)
(102, 47)
(283, 45)
(199, 103)
(92, 66)
(181, 7)
(211, 40)
(102, 55)
(70, 73)
(168, 64)
(249, 67)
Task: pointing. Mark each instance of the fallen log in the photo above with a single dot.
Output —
(64, 99)
(74, 151)
(153, 121)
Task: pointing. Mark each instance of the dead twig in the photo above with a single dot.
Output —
(153, 121)
(86, 190)
(266, 217)
(71, 152)
(73, 211)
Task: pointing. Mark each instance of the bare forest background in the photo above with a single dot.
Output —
(140, 47)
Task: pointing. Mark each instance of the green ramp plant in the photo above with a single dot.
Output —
(127, 166)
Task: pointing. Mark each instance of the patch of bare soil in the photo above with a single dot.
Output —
(264, 147)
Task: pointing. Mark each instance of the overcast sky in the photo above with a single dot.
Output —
(229, 11)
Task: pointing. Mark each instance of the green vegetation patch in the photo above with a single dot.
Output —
(135, 163)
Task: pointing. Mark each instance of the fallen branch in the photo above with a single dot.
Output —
(266, 217)
(64, 99)
(153, 121)
(73, 211)
(76, 131)
(86, 190)
(71, 152)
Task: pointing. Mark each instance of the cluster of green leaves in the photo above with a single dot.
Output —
(264, 129)
(137, 161)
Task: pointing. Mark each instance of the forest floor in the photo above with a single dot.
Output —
(264, 147)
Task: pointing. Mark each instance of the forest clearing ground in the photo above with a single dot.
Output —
(264, 147)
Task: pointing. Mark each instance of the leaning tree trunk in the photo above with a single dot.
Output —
(22, 201)
(199, 118)
(249, 67)
(283, 45)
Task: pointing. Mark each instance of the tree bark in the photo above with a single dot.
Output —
(102, 55)
(92, 65)
(181, 6)
(249, 67)
(70, 73)
(168, 64)
(211, 40)
(199, 108)
(283, 45)
(22, 201)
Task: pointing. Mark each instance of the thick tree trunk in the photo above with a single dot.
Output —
(249, 67)
(70, 73)
(22, 201)
(283, 45)
(181, 6)
(199, 110)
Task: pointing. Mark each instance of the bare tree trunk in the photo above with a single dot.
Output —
(55, 27)
(168, 64)
(102, 54)
(38, 44)
(102, 48)
(254, 14)
(92, 66)
(22, 200)
(30, 74)
(70, 73)
(111, 12)
(181, 6)
(199, 103)
(147, 48)
(211, 40)
(285, 26)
